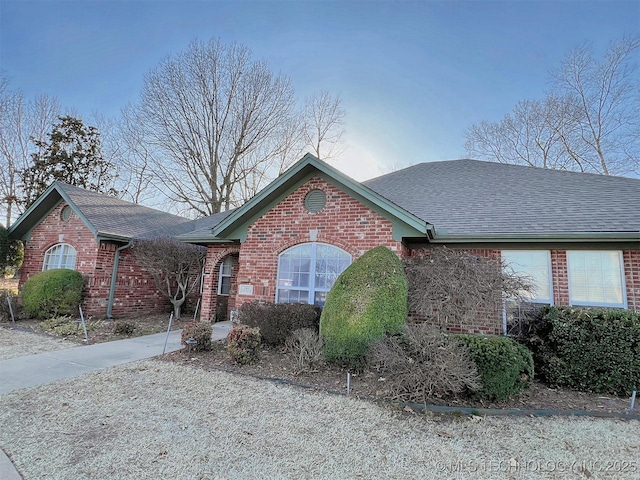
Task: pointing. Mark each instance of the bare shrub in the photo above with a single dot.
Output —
(456, 287)
(424, 363)
(174, 266)
(307, 346)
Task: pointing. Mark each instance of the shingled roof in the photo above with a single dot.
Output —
(476, 198)
(107, 216)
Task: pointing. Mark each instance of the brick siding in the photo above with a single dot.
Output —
(135, 291)
(343, 222)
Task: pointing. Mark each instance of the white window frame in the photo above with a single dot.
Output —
(227, 262)
(622, 304)
(312, 289)
(534, 298)
(58, 252)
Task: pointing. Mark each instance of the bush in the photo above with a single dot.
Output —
(592, 350)
(505, 366)
(367, 302)
(277, 321)
(201, 332)
(67, 326)
(424, 363)
(243, 343)
(123, 328)
(307, 346)
(54, 292)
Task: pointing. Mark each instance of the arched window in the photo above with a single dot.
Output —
(307, 272)
(61, 255)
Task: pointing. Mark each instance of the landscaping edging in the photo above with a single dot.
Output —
(442, 409)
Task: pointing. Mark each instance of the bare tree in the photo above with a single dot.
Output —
(174, 266)
(324, 119)
(21, 120)
(211, 119)
(606, 96)
(523, 137)
(589, 122)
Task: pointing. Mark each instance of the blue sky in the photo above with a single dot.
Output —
(413, 76)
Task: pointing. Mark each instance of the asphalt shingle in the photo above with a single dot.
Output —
(465, 197)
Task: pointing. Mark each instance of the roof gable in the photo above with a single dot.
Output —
(234, 227)
(105, 216)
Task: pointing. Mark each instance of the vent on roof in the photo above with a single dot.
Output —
(315, 200)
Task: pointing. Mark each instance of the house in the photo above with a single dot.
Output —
(69, 227)
(577, 235)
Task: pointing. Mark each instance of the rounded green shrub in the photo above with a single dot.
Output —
(367, 302)
(505, 366)
(51, 293)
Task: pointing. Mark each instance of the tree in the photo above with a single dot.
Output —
(174, 266)
(323, 116)
(589, 121)
(71, 155)
(213, 126)
(20, 120)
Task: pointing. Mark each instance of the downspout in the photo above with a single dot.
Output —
(114, 276)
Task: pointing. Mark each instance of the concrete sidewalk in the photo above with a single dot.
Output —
(32, 370)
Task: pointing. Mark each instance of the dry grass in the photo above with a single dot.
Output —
(156, 419)
(14, 343)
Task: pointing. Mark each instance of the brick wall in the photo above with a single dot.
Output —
(631, 259)
(52, 230)
(489, 321)
(135, 291)
(343, 222)
(215, 255)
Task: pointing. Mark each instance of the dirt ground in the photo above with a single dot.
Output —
(278, 364)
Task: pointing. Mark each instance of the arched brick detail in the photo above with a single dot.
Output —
(350, 249)
(215, 254)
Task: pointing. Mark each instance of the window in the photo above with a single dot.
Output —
(61, 255)
(307, 272)
(596, 278)
(536, 266)
(224, 281)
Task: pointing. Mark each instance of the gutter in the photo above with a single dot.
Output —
(114, 276)
(539, 237)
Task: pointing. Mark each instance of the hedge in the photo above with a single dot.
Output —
(591, 350)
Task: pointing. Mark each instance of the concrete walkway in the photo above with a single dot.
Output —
(33, 370)
(43, 368)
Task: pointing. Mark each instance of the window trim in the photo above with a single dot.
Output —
(545, 301)
(227, 261)
(623, 284)
(62, 246)
(312, 277)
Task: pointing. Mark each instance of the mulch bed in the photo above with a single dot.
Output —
(276, 363)
(102, 330)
